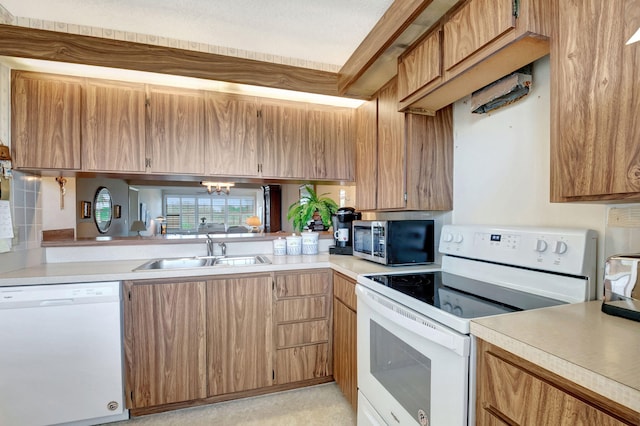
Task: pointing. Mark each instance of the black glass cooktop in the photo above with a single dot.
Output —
(421, 286)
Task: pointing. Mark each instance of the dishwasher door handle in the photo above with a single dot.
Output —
(56, 302)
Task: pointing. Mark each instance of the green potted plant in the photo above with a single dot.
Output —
(303, 210)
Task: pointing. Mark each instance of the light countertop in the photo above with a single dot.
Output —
(119, 270)
(576, 341)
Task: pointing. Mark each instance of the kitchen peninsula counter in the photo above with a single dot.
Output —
(597, 351)
(119, 270)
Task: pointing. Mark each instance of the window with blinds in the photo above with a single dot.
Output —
(188, 212)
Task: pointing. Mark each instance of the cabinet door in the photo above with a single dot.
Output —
(331, 142)
(367, 155)
(302, 363)
(430, 161)
(175, 137)
(421, 66)
(391, 150)
(595, 131)
(232, 135)
(240, 339)
(114, 127)
(46, 119)
(285, 153)
(165, 343)
(345, 370)
(475, 25)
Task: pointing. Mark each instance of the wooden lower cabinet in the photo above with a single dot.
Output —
(303, 324)
(165, 342)
(193, 342)
(345, 357)
(513, 391)
(239, 334)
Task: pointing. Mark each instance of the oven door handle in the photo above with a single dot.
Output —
(414, 322)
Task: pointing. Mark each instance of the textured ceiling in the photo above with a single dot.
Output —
(324, 31)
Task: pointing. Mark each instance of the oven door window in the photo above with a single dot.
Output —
(403, 371)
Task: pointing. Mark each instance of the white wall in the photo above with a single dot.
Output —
(501, 166)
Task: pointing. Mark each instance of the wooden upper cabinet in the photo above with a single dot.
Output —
(474, 26)
(46, 121)
(175, 136)
(595, 131)
(285, 150)
(240, 334)
(391, 150)
(367, 155)
(421, 66)
(430, 160)
(332, 142)
(165, 343)
(482, 41)
(114, 127)
(231, 147)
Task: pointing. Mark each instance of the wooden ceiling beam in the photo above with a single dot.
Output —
(395, 20)
(23, 42)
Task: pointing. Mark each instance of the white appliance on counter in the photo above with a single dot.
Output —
(61, 354)
(416, 359)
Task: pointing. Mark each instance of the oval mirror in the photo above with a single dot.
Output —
(102, 207)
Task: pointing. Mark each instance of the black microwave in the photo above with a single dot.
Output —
(394, 242)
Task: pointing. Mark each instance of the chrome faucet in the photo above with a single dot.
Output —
(223, 246)
(209, 245)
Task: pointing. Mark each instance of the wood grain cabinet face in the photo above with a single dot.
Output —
(175, 137)
(595, 154)
(240, 334)
(303, 326)
(114, 127)
(46, 121)
(367, 155)
(232, 135)
(165, 343)
(512, 391)
(332, 142)
(285, 150)
(345, 370)
(421, 66)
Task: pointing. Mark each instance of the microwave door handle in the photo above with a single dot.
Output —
(449, 340)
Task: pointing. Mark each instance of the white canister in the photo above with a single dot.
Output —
(294, 245)
(279, 247)
(310, 242)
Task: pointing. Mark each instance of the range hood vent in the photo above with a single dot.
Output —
(502, 92)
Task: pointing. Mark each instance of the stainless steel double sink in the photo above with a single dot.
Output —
(202, 261)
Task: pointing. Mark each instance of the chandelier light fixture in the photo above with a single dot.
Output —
(218, 187)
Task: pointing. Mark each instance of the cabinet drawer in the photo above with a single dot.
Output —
(345, 290)
(306, 308)
(302, 284)
(512, 393)
(302, 363)
(302, 333)
(474, 26)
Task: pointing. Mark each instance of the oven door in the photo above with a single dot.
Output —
(412, 370)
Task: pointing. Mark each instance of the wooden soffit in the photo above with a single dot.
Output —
(23, 42)
(375, 61)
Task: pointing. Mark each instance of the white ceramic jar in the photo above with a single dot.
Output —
(310, 242)
(279, 247)
(294, 245)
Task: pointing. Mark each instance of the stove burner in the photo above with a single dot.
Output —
(419, 286)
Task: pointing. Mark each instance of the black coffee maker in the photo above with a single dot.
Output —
(342, 230)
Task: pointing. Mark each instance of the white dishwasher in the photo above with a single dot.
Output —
(61, 354)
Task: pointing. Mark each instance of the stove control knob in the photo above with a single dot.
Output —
(447, 238)
(457, 311)
(560, 248)
(458, 238)
(447, 307)
(541, 245)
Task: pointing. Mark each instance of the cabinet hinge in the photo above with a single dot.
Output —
(405, 197)
(147, 162)
(516, 8)
(129, 295)
(147, 102)
(273, 374)
(259, 112)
